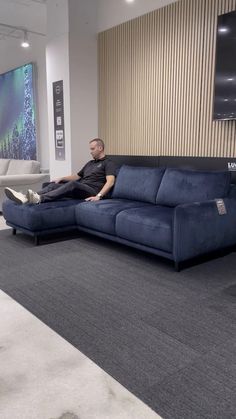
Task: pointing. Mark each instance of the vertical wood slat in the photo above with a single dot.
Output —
(156, 79)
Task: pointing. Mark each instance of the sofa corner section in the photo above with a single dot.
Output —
(200, 229)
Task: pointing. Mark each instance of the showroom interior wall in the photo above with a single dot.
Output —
(72, 57)
(83, 78)
(78, 55)
(110, 13)
(65, 64)
(57, 59)
(156, 83)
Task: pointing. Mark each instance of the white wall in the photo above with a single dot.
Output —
(58, 69)
(57, 57)
(113, 12)
(72, 57)
(83, 78)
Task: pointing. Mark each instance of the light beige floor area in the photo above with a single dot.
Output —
(45, 377)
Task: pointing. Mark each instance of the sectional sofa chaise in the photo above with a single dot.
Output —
(175, 213)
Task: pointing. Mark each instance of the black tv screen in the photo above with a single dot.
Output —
(225, 68)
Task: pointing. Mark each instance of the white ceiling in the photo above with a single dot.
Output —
(31, 15)
(27, 14)
(114, 12)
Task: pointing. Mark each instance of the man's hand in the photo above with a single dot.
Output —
(57, 180)
(93, 198)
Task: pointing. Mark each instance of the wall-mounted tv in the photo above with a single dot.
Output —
(225, 68)
(17, 113)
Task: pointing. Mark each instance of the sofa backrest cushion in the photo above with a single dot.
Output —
(180, 186)
(23, 167)
(138, 183)
(4, 163)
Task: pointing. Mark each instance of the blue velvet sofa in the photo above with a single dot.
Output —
(168, 212)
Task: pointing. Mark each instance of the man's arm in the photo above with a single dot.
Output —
(67, 178)
(110, 180)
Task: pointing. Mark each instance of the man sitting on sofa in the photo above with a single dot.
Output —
(91, 183)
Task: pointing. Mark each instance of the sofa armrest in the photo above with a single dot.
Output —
(199, 229)
(21, 180)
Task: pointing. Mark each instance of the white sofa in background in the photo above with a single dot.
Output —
(20, 175)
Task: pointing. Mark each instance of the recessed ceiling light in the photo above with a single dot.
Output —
(129, 1)
(25, 42)
(223, 29)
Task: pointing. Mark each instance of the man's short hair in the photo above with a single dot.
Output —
(99, 142)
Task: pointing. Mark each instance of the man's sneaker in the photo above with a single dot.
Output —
(15, 196)
(33, 197)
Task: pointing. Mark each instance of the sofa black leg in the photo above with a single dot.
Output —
(36, 240)
(14, 231)
(177, 266)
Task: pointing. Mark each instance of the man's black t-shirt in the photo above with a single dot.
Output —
(94, 173)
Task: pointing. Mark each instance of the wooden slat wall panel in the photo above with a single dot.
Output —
(130, 86)
(182, 77)
(156, 76)
(146, 84)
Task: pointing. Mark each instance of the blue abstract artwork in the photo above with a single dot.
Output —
(17, 114)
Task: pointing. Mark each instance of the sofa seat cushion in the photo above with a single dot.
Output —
(180, 186)
(101, 215)
(138, 183)
(150, 226)
(41, 217)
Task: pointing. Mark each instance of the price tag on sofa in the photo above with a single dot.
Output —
(221, 207)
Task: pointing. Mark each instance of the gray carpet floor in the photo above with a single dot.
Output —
(168, 337)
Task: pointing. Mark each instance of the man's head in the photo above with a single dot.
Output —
(97, 148)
